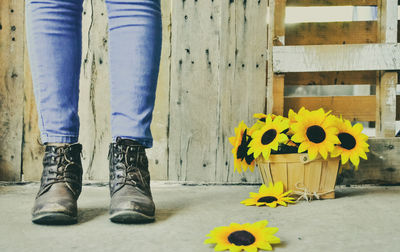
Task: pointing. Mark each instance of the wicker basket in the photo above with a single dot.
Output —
(304, 177)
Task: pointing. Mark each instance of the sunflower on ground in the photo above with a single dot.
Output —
(353, 143)
(269, 196)
(268, 137)
(316, 132)
(240, 147)
(248, 237)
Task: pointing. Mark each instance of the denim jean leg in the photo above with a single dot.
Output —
(53, 30)
(134, 51)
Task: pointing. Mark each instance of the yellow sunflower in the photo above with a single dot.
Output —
(240, 147)
(260, 122)
(316, 132)
(248, 237)
(353, 143)
(268, 137)
(269, 196)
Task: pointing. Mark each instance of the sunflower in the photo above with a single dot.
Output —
(353, 143)
(269, 196)
(268, 137)
(240, 147)
(316, 132)
(248, 237)
(260, 122)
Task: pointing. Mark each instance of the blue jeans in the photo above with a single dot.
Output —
(54, 34)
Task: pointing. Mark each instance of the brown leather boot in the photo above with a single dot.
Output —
(60, 187)
(131, 199)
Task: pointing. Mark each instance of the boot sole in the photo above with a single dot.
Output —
(54, 219)
(130, 217)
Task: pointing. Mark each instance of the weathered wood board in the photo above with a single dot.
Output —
(382, 166)
(331, 78)
(11, 88)
(322, 58)
(357, 32)
(331, 2)
(217, 80)
(354, 108)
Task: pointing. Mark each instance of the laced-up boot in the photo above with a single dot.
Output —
(131, 199)
(61, 185)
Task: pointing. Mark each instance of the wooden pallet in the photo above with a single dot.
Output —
(336, 53)
(340, 53)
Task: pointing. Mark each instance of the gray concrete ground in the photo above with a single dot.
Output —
(359, 219)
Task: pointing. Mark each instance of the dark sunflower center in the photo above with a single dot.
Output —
(241, 152)
(316, 134)
(347, 141)
(267, 199)
(268, 136)
(241, 238)
(249, 158)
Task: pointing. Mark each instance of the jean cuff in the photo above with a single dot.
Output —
(146, 142)
(45, 138)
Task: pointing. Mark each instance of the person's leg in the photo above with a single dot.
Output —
(134, 50)
(53, 29)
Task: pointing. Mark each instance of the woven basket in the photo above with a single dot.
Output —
(316, 178)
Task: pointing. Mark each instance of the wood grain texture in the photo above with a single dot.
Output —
(276, 37)
(357, 32)
(217, 80)
(32, 151)
(382, 166)
(317, 58)
(194, 91)
(331, 78)
(11, 88)
(94, 97)
(331, 2)
(158, 154)
(242, 85)
(385, 125)
(353, 108)
(386, 81)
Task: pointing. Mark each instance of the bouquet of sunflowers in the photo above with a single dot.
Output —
(316, 132)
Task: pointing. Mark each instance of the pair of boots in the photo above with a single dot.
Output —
(61, 184)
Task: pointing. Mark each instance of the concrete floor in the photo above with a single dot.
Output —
(359, 219)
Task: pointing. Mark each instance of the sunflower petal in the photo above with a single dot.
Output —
(303, 147)
(298, 138)
(355, 159)
(345, 157)
(363, 155)
(265, 246)
(271, 230)
(323, 153)
(274, 240)
(220, 247)
(312, 153)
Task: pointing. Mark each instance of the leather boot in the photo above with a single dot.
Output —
(60, 187)
(131, 199)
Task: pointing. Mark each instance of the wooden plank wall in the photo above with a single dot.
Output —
(217, 80)
(209, 81)
(11, 88)
(94, 110)
(212, 76)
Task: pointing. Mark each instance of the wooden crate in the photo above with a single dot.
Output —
(316, 178)
(336, 53)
